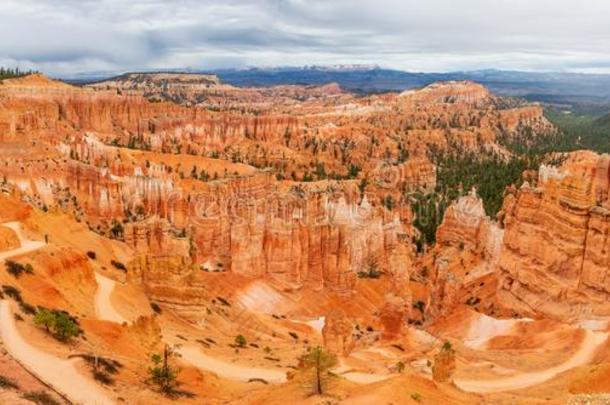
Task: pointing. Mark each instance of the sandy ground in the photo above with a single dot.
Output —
(584, 354)
(104, 310)
(194, 356)
(59, 373)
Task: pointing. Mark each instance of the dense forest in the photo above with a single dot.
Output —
(581, 131)
(459, 172)
(457, 175)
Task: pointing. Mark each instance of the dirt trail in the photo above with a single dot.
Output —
(484, 328)
(360, 377)
(61, 374)
(104, 309)
(584, 354)
(224, 369)
(26, 244)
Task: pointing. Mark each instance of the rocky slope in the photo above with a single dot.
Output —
(553, 261)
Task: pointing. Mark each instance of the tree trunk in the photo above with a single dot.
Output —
(318, 379)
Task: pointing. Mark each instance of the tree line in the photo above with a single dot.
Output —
(7, 73)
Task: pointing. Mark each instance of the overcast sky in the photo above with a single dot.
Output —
(62, 37)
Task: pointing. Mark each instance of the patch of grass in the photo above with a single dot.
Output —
(416, 396)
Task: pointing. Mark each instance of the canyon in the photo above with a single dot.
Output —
(173, 210)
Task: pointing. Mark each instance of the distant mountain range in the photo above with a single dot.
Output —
(570, 89)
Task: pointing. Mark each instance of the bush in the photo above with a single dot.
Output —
(240, 341)
(27, 308)
(118, 265)
(102, 377)
(91, 254)
(155, 307)
(62, 326)
(40, 398)
(419, 305)
(12, 292)
(117, 229)
(7, 383)
(17, 269)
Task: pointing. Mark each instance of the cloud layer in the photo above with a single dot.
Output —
(63, 37)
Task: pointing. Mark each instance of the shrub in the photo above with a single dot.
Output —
(7, 383)
(117, 229)
(102, 377)
(294, 335)
(91, 254)
(62, 326)
(118, 265)
(12, 292)
(40, 398)
(155, 307)
(240, 341)
(416, 396)
(27, 308)
(17, 269)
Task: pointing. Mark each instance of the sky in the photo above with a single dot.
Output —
(66, 37)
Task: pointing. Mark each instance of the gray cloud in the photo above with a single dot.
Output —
(62, 37)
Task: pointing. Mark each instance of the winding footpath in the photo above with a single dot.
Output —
(26, 245)
(583, 355)
(231, 371)
(104, 310)
(58, 373)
